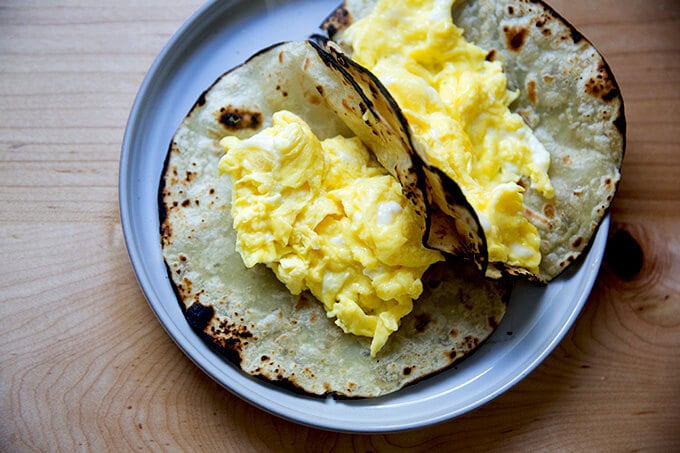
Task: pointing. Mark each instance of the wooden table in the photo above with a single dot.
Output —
(85, 365)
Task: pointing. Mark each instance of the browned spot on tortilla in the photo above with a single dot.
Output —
(319, 88)
(511, 10)
(548, 78)
(471, 342)
(453, 333)
(566, 159)
(493, 323)
(549, 211)
(174, 175)
(237, 119)
(186, 203)
(313, 98)
(199, 316)
(338, 20)
(577, 243)
(346, 104)
(531, 91)
(201, 100)
(601, 85)
(281, 57)
(576, 36)
(190, 176)
(302, 301)
(541, 20)
(515, 37)
(224, 327)
(407, 370)
(166, 232)
(537, 218)
(185, 288)
(540, 24)
(567, 261)
(422, 321)
(374, 89)
(491, 56)
(620, 121)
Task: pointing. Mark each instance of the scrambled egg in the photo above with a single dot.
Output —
(325, 216)
(456, 103)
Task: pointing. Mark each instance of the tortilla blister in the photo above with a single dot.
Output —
(570, 99)
(247, 314)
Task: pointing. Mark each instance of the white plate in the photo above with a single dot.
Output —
(217, 37)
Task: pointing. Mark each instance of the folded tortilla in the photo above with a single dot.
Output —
(247, 315)
(571, 101)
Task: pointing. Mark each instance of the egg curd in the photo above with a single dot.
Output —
(326, 217)
(456, 103)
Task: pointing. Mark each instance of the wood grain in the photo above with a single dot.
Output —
(85, 365)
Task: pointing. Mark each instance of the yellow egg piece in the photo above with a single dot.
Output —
(327, 218)
(456, 103)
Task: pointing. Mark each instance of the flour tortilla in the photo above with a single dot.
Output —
(568, 96)
(247, 315)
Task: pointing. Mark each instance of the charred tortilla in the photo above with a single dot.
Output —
(247, 314)
(569, 98)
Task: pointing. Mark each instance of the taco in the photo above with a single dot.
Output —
(478, 80)
(271, 327)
